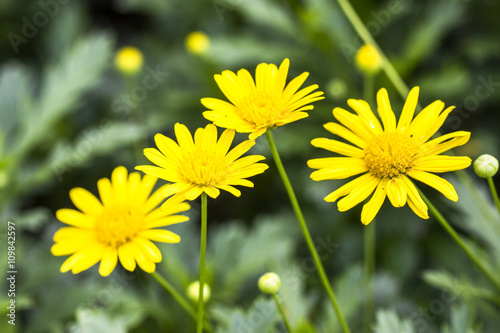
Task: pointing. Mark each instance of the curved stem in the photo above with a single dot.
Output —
(178, 297)
(494, 193)
(305, 231)
(368, 39)
(280, 309)
(369, 239)
(203, 249)
(449, 229)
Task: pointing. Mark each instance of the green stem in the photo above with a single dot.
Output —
(369, 239)
(449, 229)
(368, 89)
(280, 309)
(368, 39)
(178, 297)
(305, 231)
(203, 249)
(494, 193)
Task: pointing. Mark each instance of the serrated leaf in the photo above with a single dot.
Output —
(459, 287)
(388, 322)
(64, 84)
(261, 317)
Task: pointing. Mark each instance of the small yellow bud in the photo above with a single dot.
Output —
(368, 59)
(269, 283)
(486, 166)
(197, 42)
(129, 60)
(193, 291)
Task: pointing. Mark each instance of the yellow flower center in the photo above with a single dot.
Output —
(203, 168)
(260, 108)
(118, 225)
(390, 154)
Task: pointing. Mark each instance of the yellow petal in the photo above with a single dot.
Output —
(371, 208)
(408, 110)
(225, 141)
(396, 192)
(184, 138)
(105, 191)
(160, 235)
(338, 147)
(126, 256)
(385, 111)
(85, 201)
(211, 191)
(365, 112)
(443, 143)
(149, 249)
(119, 184)
(415, 201)
(360, 193)
(162, 222)
(354, 123)
(169, 148)
(441, 163)
(75, 218)
(89, 257)
(420, 127)
(347, 188)
(144, 263)
(108, 261)
(436, 182)
(345, 133)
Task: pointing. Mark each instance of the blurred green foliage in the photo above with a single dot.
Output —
(67, 118)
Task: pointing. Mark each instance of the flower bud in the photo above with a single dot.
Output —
(197, 42)
(486, 166)
(129, 60)
(269, 283)
(368, 59)
(193, 291)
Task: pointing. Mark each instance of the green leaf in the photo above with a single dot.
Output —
(261, 317)
(389, 322)
(458, 287)
(64, 84)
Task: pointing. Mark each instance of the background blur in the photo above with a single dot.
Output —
(68, 118)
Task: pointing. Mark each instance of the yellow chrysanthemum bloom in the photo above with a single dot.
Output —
(368, 59)
(120, 226)
(197, 42)
(129, 60)
(388, 156)
(203, 164)
(266, 103)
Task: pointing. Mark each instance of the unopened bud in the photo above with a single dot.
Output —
(269, 283)
(368, 59)
(197, 42)
(128, 60)
(486, 166)
(193, 291)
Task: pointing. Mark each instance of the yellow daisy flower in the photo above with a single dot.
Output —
(120, 226)
(266, 103)
(388, 156)
(203, 164)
